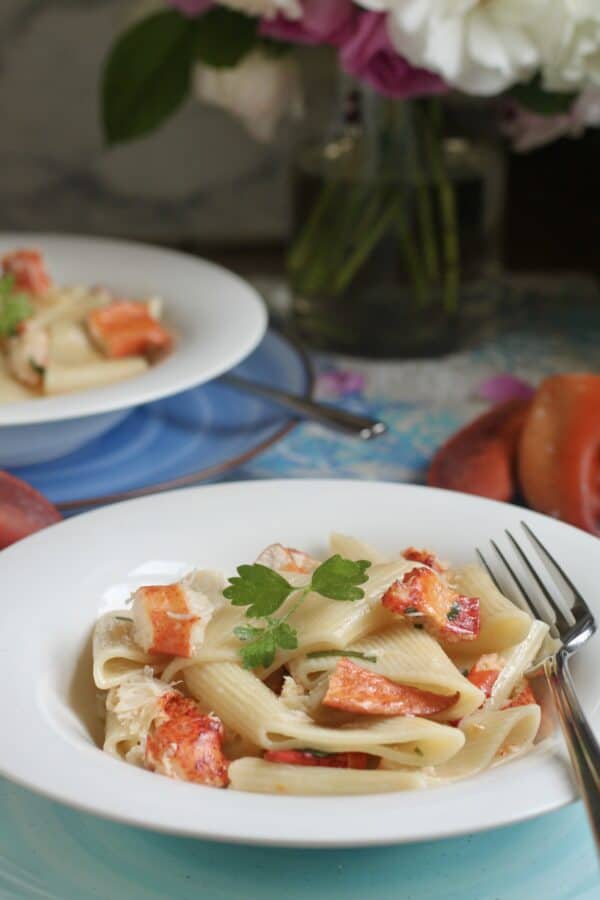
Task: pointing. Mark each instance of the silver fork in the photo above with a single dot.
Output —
(573, 626)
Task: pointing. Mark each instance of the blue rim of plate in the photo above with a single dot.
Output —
(46, 476)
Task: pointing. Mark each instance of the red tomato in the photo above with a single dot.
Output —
(307, 758)
(23, 510)
(559, 453)
(481, 458)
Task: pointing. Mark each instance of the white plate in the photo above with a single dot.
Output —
(217, 317)
(55, 583)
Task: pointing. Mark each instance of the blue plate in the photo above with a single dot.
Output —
(53, 853)
(198, 435)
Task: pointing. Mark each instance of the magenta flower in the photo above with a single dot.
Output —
(322, 22)
(340, 383)
(505, 387)
(191, 7)
(367, 54)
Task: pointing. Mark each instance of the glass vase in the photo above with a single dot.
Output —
(396, 239)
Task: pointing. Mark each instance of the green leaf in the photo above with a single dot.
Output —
(351, 654)
(263, 643)
(260, 652)
(224, 37)
(285, 636)
(147, 75)
(260, 589)
(545, 103)
(14, 307)
(337, 578)
(247, 632)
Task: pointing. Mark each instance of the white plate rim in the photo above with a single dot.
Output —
(543, 780)
(141, 389)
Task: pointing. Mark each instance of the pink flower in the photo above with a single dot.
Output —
(505, 387)
(528, 130)
(191, 7)
(322, 22)
(339, 383)
(368, 54)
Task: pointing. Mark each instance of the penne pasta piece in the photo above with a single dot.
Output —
(406, 655)
(351, 548)
(115, 652)
(517, 660)
(61, 379)
(250, 708)
(261, 777)
(492, 737)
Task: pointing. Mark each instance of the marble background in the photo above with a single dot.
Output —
(199, 178)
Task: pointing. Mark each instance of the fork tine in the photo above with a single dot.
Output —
(527, 601)
(488, 568)
(579, 607)
(562, 623)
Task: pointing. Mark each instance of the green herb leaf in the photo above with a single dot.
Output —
(545, 103)
(247, 632)
(263, 643)
(259, 588)
(418, 751)
(453, 612)
(14, 307)
(285, 636)
(147, 75)
(224, 37)
(337, 578)
(351, 654)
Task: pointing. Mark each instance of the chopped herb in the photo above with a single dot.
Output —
(353, 654)
(37, 368)
(453, 612)
(263, 591)
(124, 618)
(14, 307)
(411, 610)
(418, 751)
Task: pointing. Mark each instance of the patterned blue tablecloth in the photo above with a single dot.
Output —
(75, 857)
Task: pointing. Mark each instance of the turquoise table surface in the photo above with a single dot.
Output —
(49, 851)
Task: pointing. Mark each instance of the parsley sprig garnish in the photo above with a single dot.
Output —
(264, 591)
(14, 307)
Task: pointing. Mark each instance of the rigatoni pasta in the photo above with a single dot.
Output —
(300, 676)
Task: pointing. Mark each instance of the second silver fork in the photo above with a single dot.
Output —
(573, 628)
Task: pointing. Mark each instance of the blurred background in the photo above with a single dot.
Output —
(201, 181)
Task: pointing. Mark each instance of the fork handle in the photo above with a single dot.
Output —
(581, 742)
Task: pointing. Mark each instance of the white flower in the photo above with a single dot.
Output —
(259, 91)
(570, 39)
(267, 9)
(479, 46)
